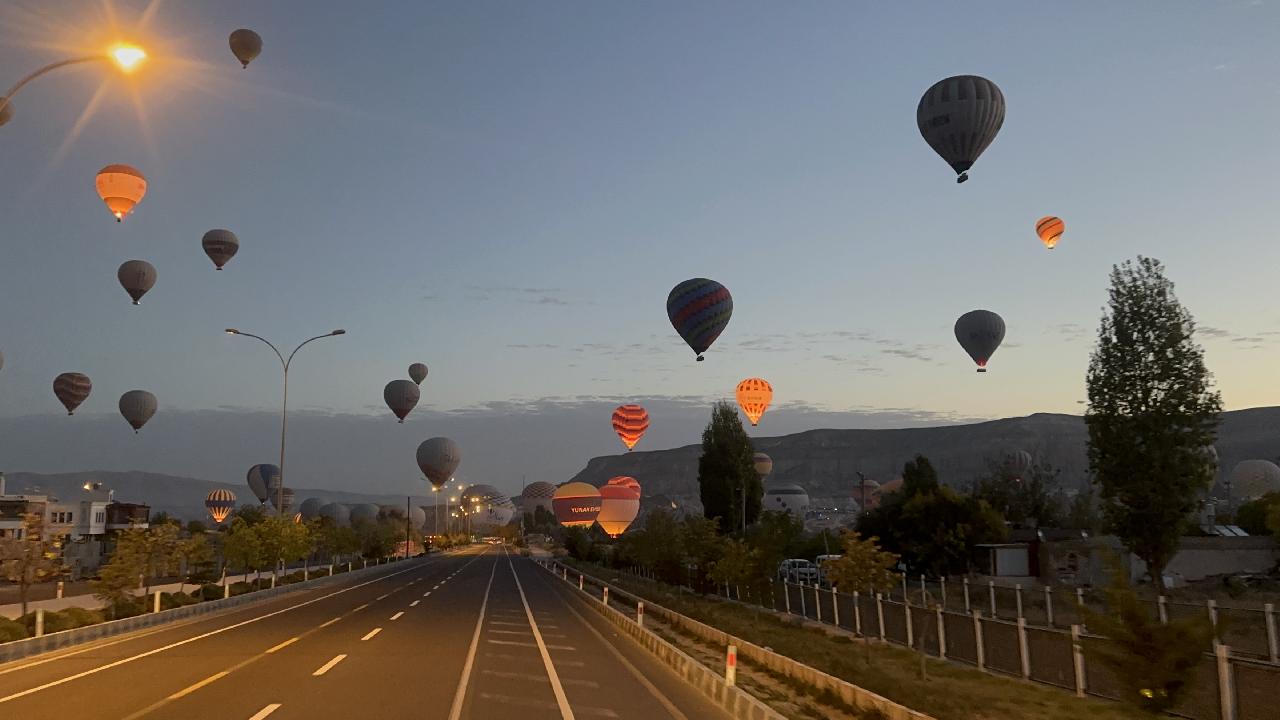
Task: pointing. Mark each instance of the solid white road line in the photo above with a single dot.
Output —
(266, 711)
(455, 713)
(327, 623)
(414, 603)
(371, 633)
(566, 712)
(397, 615)
(170, 646)
(192, 688)
(329, 665)
(283, 645)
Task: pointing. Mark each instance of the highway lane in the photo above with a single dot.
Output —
(479, 634)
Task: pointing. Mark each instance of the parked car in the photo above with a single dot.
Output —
(797, 570)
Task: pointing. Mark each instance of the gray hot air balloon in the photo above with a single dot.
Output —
(338, 513)
(438, 458)
(1019, 463)
(137, 407)
(364, 513)
(401, 396)
(980, 332)
(417, 373)
(245, 45)
(1251, 479)
(959, 117)
(417, 517)
(220, 245)
(72, 389)
(264, 480)
(310, 508)
(136, 277)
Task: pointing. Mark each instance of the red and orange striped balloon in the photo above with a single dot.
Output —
(1050, 230)
(754, 396)
(630, 422)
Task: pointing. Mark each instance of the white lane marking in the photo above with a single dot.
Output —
(360, 608)
(266, 711)
(414, 603)
(509, 632)
(566, 712)
(455, 713)
(526, 702)
(329, 665)
(283, 645)
(327, 623)
(426, 594)
(371, 633)
(437, 587)
(170, 646)
(513, 658)
(397, 615)
(508, 622)
(192, 688)
(383, 596)
(533, 677)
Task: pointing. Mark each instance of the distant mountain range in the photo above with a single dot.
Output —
(826, 462)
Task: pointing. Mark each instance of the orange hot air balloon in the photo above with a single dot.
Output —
(754, 396)
(619, 505)
(1050, 230)
(625, 480)
(576, 504)
(121, 187)
(630, 422)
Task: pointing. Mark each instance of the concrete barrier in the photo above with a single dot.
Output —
(848, 693)
(18, 649)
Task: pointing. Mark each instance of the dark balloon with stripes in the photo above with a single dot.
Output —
(630, 423)
(959, 117)
(72, 389)
(699, 310)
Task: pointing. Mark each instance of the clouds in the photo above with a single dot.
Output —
(1254, 341)
(545, 296)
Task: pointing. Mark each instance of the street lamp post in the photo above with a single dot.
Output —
(126, 57)
(284, 407)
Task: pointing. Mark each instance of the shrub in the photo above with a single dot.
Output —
(125, 608)
(241, 588)
(11, 630)
(168, 601)
(210, 591)
(79, 617)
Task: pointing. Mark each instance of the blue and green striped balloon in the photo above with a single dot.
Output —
(699, 310)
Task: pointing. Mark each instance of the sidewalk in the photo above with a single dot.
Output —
(89, 601)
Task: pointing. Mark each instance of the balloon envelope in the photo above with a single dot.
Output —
(245, 45)
(535, 495)
(136, 277)
(417, 517)
(763, 464)
(1019, 463)
(364, 513)
(626, 480)
(310, 508)
(137, 407)
(401, 396)
(576, 504)
(1251, 479)
(72, 389)
(980, 332)
(754, 395)
(959, 117)
(418, 373)
(699, 310)
(1050, 230)
(630, 423)
(619, 505)
(220, 245)
(263, 480)
(220, 503)
(121, 187)
(337, 512)
(438, 458)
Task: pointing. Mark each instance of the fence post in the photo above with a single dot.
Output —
(640, 613)
(1080, 607)
(904, 587)
(1048, 604)
(1077, 659)
(1273, 646)
(923, 591)
(604, 598)
(991, 590)
(731, 666)
(857, 614)
(786, 595)
(348, 566)
(273, 581)
(1226, 683)
(1017, 594)
(1162, 608)
(330, 569)
(942, 634)
(880, 615)
(1024, 652)
(835, 605)
(817, 602)
(155, 603)
(967, 609)
(911, 636)
(804, 612)
(980, 651)
(39, 622)
(579, 581)
(943, 585)
(60, 588)
(1212, 606)
(226, 591)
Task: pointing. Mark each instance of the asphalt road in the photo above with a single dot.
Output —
(475, 634)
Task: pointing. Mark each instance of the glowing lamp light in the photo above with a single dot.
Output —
(127, 57)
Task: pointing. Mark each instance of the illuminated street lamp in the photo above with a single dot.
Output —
(124, 56)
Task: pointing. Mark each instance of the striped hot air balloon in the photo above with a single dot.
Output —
(625, 480)
(1050, 230)
(72, 389)
(576, 504)
(754, 396)
(121, 187)
(619, 505)
(630, 422)
(699, 309)
(220, 503)
(959, 117)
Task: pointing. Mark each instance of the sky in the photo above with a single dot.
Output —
(507, 192)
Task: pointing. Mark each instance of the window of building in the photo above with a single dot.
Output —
(69, 517)
(100, 516)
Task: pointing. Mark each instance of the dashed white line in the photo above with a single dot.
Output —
(437, 587)
(383, 596)
(455, 713)
(426, 594)
(330, 622)
(414, 603)
(265, 711)
(192, 688)
(283, 645)
(371, 633)
(329, 665)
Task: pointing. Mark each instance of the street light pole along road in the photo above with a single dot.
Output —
(126, 57)
(284, 407)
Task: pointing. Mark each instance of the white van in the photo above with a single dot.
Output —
(797, 570)
(821, 562)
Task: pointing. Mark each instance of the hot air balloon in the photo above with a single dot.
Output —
(220, 503)
(72, 389)
(418, 373)
(699, 309)
(220, 245)
(401, 396)
(121, 187)
(338, 513)
(1018, 463)
(245, 45)
(364, 513)
(136, 277)
(763, 464)
(264, 480)
(1050, 230)
(1251, 479)
(626, 480)
(417, 517)
(438, 458)
(786, 498)
(619, 505)
(630, 422)
(754, 396)
(576, 504)
(137, 407)
(959, 117)
(310, 508)
(537, 495)
(980, 332)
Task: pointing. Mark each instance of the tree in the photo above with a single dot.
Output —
(1155, 662)
(118, 578)
(737, 566)
(196, 527)
(775, 537)
(1273, 519)
(1252, 516)
(242, 546)
(725, 469)
(31, 558)
(918, 477)
(251, 514)
(577, 541)
(863, 565)
(281, 540)
(155, 547)
(195, 554)
(1152, 411)
(1082, 513)
(1032, 499)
